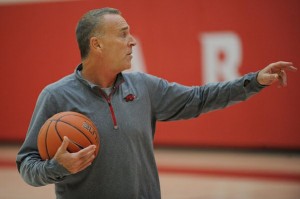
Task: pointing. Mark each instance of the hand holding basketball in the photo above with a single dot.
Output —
(74, 162)
(80, 130)
(71, 139)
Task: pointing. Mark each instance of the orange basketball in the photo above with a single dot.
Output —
(80, 130)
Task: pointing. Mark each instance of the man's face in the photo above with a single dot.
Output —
(117, 43)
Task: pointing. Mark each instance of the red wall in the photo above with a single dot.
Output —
(38, 47)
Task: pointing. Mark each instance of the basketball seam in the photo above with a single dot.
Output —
(73, 127)
(59, 120)
(56, 130)
(79, 115)
(46, 144)
(55, 126)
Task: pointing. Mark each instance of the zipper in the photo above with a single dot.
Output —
(112, 112)
(111, 109)
(108, 100)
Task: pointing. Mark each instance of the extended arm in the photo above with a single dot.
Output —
(172, 101)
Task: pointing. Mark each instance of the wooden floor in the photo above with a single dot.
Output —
(191, 174)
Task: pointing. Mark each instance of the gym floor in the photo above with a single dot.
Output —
(191, 174)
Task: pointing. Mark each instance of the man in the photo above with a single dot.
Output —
(125, 108)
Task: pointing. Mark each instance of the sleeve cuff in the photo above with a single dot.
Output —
(251, 81)
(59, 172)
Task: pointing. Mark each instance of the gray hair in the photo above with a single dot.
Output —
(90, 25)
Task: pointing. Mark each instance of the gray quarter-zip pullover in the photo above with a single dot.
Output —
(125, 167)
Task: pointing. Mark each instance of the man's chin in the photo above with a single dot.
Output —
(128, 68)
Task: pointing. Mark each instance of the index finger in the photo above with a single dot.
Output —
(86, 151)
(283, 65)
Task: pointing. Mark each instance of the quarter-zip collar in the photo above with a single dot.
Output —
(120, 81)
(125, 92)
(78, 70)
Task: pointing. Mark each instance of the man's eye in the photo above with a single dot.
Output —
(124, 34)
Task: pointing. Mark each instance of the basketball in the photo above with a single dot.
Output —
(80, 130)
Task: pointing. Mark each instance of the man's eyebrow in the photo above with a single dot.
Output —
(124, 28)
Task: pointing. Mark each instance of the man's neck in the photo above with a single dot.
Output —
(98, 75)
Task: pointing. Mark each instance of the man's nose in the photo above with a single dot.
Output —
(132, 41)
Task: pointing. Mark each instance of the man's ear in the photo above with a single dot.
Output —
(95, 44)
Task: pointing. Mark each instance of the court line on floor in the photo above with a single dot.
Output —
(252, 174)
(7, 164)
(247, 174)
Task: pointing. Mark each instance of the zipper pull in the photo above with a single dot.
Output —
(116, 127)
(112, 114)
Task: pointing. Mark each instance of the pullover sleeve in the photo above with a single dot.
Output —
(32, 168)
(172, 101)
